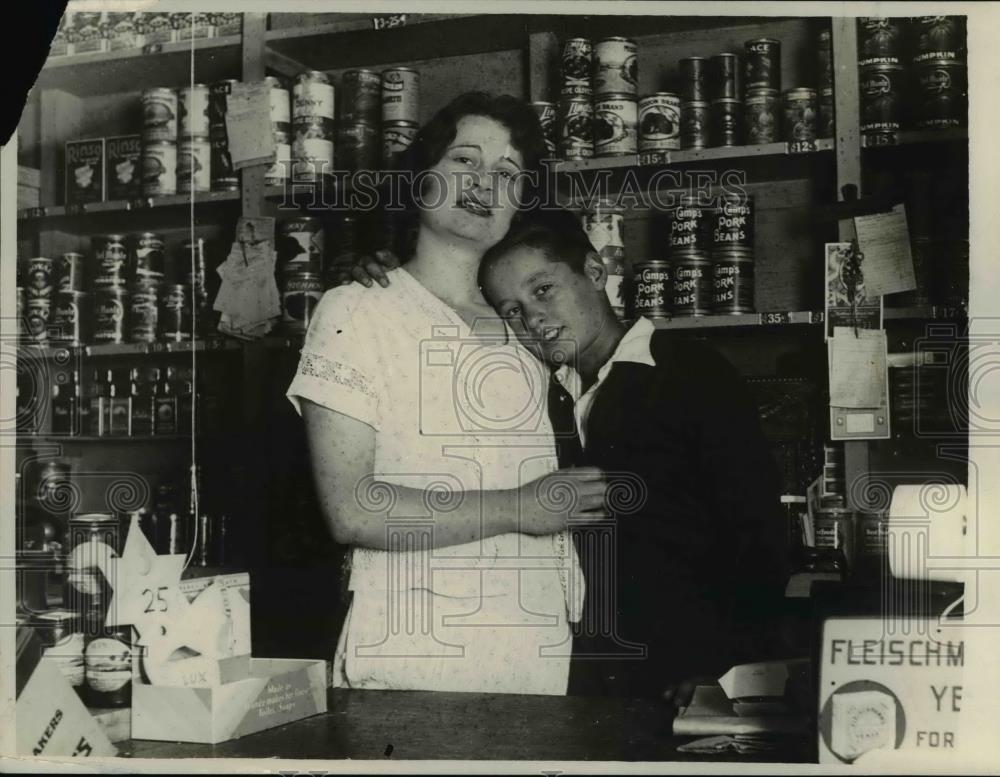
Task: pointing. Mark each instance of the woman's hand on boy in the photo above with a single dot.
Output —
(373, 267)
(550, 503)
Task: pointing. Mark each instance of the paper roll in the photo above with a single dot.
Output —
(928, 525)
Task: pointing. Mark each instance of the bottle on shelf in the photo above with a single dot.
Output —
(120, 404)
(65, 406)
(165, 419)
(185, 399)
(143, 382)
(99, 399)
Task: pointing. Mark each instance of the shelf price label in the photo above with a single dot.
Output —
(654, 158)
(816, 316)
(156, 347)
(775, 318)
(879, 139)
(800, 146)
(388, 21)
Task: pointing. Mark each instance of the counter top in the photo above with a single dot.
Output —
(418, 725)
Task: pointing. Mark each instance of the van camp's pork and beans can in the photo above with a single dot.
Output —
(616, 68)
(692, 287)
(660, 122)
(762, 116)
(175, 314)
(689, 227)
(941, 100)
(733, 223)
(762, 63)
(159, 169)
(193, 109)
(615, 126)
(400, 94)
(653, 289)
(576, 129)
(881, 87)
(159, 116)
(576, 68)
(732, 281)
(546, 113)
(605, 228)
(361, 97)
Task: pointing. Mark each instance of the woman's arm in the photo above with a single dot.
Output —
(356, 506)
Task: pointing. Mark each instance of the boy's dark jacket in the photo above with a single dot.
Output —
(701, 553)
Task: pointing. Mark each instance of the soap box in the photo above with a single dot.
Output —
(123, 157)
(84, 171)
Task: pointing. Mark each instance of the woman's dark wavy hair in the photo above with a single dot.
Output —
(433, 138)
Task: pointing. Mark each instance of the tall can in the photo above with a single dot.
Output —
(143, 312)
(357, 146)
(193, 109)
(576, 129)
(694, 79)
(280, 104)
(40, 276)
(111, 255)
(280, 170)
(223, 175)
(174, 323)
(400, 94)
(71, 272)
(299, 298)
(301, 244)
(192, 257)
(194, 165)
(733, 223)
(92, 540)
(312, 149)
(724, 77)
(762, 62)
(218, 93)
(692, 287)
(881, 87)
(615, 68)
(110, 307)
(108, 664)
(149, 258)
(827, 116)
(546, 113)
(937, 38)
(880, 40)
(69, 317)
(604, 225)
(801, 111)
(615, 125)
(653, 289)
(696, 122)
(942, 99)
(727, 122)
(159, 115)
(576, 66)
(361, 97)
(159, 169)
(38, 313)
(660, 122)
(762, 116)
(732, 281)
(312, 97)
(690, 227)
(397, 136)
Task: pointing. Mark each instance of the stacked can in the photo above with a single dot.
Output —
(359, 145)
(762, 107)
(312, 124)
(223, 174)
(605, 228)
(575, 116)
(880, 43)
(193, 148)
(159, 142)
(725, 90)
(801, 113)
(301, 259)
(695, 119)
(690, 257)
(69, 315)
(660, 122)
(109, 287)
(733, 254)
(546, 113)
(147, 282)
(192, 258)
(39, 293)
(614, 85)
(281, 130)
(940, 75)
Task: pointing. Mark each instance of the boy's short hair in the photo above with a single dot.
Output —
(555, 231)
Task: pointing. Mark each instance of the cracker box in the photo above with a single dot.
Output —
(84, 171)
(123, 159)
(121, 30)
(155, 27)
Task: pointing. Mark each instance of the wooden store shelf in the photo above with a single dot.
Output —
(83, 439)
(921, 137)
(132, 70)
(117, 207)
(64, 353)
(780, 318)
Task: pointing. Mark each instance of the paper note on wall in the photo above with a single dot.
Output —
(857, 368)
(885, 242)
(248, 123)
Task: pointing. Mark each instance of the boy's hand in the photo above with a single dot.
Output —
(548, 504)
(373, 267)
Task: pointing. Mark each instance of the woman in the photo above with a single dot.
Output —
(432, 452)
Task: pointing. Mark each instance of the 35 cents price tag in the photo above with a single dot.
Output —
(775, 318)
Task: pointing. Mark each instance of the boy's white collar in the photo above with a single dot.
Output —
(633, 347)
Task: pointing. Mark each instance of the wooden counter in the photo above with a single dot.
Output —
(416, 725)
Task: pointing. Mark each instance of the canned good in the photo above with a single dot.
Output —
(824, 59)
(653, 289)
(397, 136)
(360, 97)
(110, 303)
(872, 535)
(692, 285)
(194, 165)
(727, 122)
(937, 37)
(689, 227)
(605, 228)
(762, 64)
(615, 126)
(149, 258)
(159, 116)
(576, 129)
(193, 108)
(280, 170)
(111, 253)
(87, 32)
(62, 634)
(159, 169)
(762, 114)
(357, 147)
(942, 94)
(800, 114)
(39, 277)
(175, 314)
(615, 68)
(879, 40)
(576, 67)
(546, 113)
(299, 298)
(71, 272)
(21, 305)
(281, 105)
(38, 312)
(834, 530)
(108, 665)
(732, 281)
(724, 82)
(694, 77)
(220, 163)
(401, 94)
(695, 123)
(660, 122)
(301, 244)
(69, 316)
(827, 117)
(92, 540)
(733, 223)
(312, 149)
(218, 91)
(881, 86)
(193, 256)
(313, 97)
(143, 311)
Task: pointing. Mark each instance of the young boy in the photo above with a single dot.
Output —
(695, 574)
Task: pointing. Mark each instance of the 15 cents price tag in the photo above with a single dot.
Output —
(879, 139)
(654, 158)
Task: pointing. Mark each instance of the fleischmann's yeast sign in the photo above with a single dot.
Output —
(890, 683)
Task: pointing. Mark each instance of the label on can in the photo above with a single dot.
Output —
(724, 77)
(653, 289)
(39, 311)
(605, 228)
(280, 103)
(762, 114)
(281, 169)
(68, 316)
(302, 241)
(616, 67)
(111, 254)
(546, 113)
(733, 223)
(357, 147)
(693, 79)
(396, 138)
(192, 106)
(615, 126)
(732, 286)
(175, 317)
(361, 97)
(224, 176)
(576, 129)
(194, 165)
(143, 312)
(159, 116)
(689, 227)
(109, 664)
(400, 95)
(695, 122)
(879, 40)
(576, 67)
(109, 314)
(942, 94)
(800, 115)
(660, 122)
(762, 63)
(938, 37)
(301, 295)
(692, 290)
(39, 277)
(313, 156)
(159, 169)
(313, 97)
(880, 98)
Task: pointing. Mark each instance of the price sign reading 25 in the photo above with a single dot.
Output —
(388, 21)
(155, 601)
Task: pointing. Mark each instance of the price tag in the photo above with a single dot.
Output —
(76, 209)
(879, 139)
(800, 147)
(654, 158)
(152, 48)
(156, 348)
(139, 203)
(775, 318)
(816, 316)
(388, 21)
